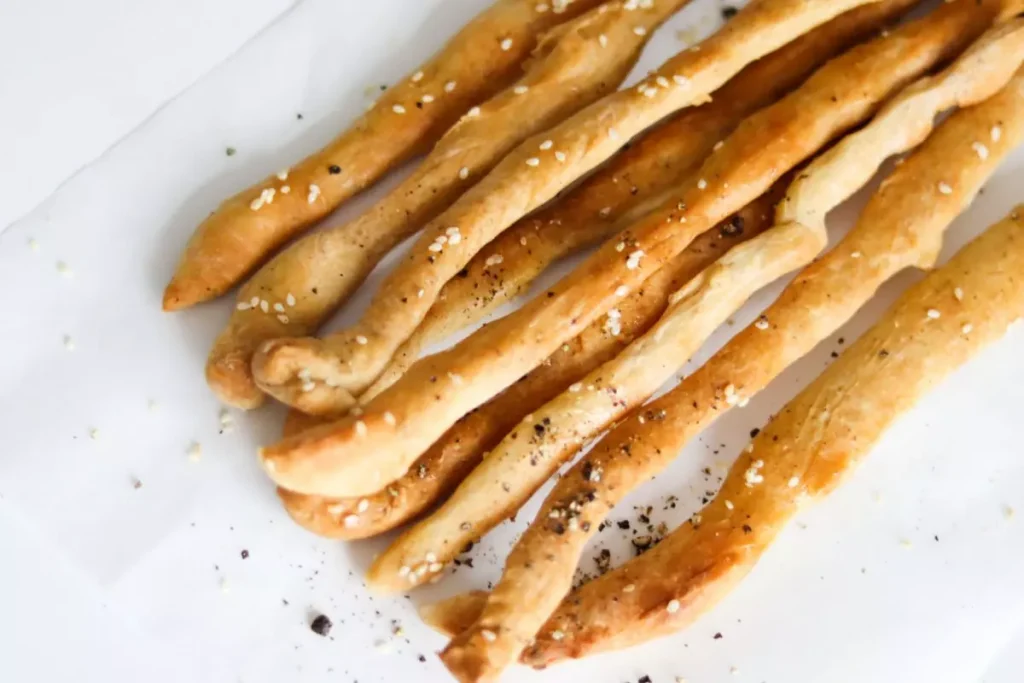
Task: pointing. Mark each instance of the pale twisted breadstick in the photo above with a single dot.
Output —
(542, 564)
(438, 471)
(529, 176)
(357, 455)
(577, 63)
(621, 191)
(804, 453)
(481, 59)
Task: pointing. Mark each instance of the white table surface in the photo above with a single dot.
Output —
(103, 582)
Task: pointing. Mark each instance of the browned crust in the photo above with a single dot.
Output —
(804, 453)
(445, 464)
(542, 563)
(312, 277)
(343, 457)
(624, 189)
(527, 178)
(235, 239)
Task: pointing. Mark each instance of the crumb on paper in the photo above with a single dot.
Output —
(94, 433)
(1009, 512)
(906, 543)
(136, 483)
(33, 244)
(194, 451)
(225, 585)
(230, 151)
(321, 625)
(69, 343)
(64, 269)
(152, 405)
(227, 420)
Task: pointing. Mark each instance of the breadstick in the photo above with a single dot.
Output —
(481, 59)
(307, 282)
(627, 187)
(542, 564)
(524, 180)
(445, 464)
(356, 455)
(804, 453)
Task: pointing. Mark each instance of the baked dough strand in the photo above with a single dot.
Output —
(358, 455)
(524, 180)
(630, 185)
(305, 283)
(480, 60)
(902, 226)
(804, 453)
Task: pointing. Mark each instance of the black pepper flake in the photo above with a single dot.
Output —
(624, 524)
(298, 116)
(718, 636)
(421, 658)
(754, 432)
(539, 428)
(747, 529)
(733, 227)
(334, 169)
(644, 679)
(321, 625)
(728, 12)
(245, 554)
(883, 353)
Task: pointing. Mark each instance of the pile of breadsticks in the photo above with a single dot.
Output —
(701, 184)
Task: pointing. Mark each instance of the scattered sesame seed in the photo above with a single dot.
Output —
(254, 302)
(672, 606)
(290, 299)
(729, 505)
(520, 89)
(640, 30)
(279, 307)
(628, 588)
(389, 417)
(427, 99)
(522, 240)
(542, 7)
(905, 543)
(662, 81)
(533, 161)
(363, 505)
(944, 188)
(473, 112)
(33, 244)
(398, 109)
(718, 145)
(934, 314)
(351, 521)
(417, 77)
(967, 328)
(403, 570)
(547, 144)
(282, 318)
(633, 260)
(794, 482)
(621, 290)
(488, 635)
(762, 323)
(314, 193)
(435, 247)
(94, 433)
(494, 260)
(681, 80)
(855, 254)
(981, 150)
(602, 40)
(449, 86)
(560, 156)
(308, 385)
(463, 173)
(996, 133)
(1009, 512)
(282, 174)
(702, 184)
(361, 340)
(575, 387)
(506, 44)
(361, 428)
(264, 305)
(286, 189)
(958, 293)
(557, 635)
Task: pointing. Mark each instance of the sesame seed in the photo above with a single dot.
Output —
(542, 7)
(520, 89)
(363, 505)
(681, 80)
(640, 30)
(360, 428)
(944, 188)
(389, 417)
(1008, 512)
(761, 324)
(557, 635)
(958, 293)
(905, 543)
(449, 86)
(575, 387)
(794, 482)
(702, 184)
(996, 133)
(351, 521)
(279, 307)
(494, 260)
(506, 44)
(314, 193)
(242, 306)
(488, 635)
(286, 189)
(620, 246)
(560, 156)
(662, 81)
(522, 240)
(463, 173)
(398, 109)
(427, 99)
(967, 328)
(361, 340)
(718, 145)
(672, 606)
(417, 77)
(729, 505)
(855, 254)
(290, 299)
(64, 269)
(934, 314)
(473, 112)
(282, 318)
(602, 40)
(455, 378)
(282, 174)
(605, 212)
(533, 161)
(613, 134)
(621, 290)
(981, 150)
(547, 144)
(94, 433)
(403, 570)
(419, 294)
(33, 244)
(308, 386)
(430, 557)
(264, 305)
(436, 247)
(628, 588)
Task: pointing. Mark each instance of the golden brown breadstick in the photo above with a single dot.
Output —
(542, 564)
(296, 291)
(356, 455)
(438, 471)
(624, 189)
(345, 363)
(804, 453)
(480, 60)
